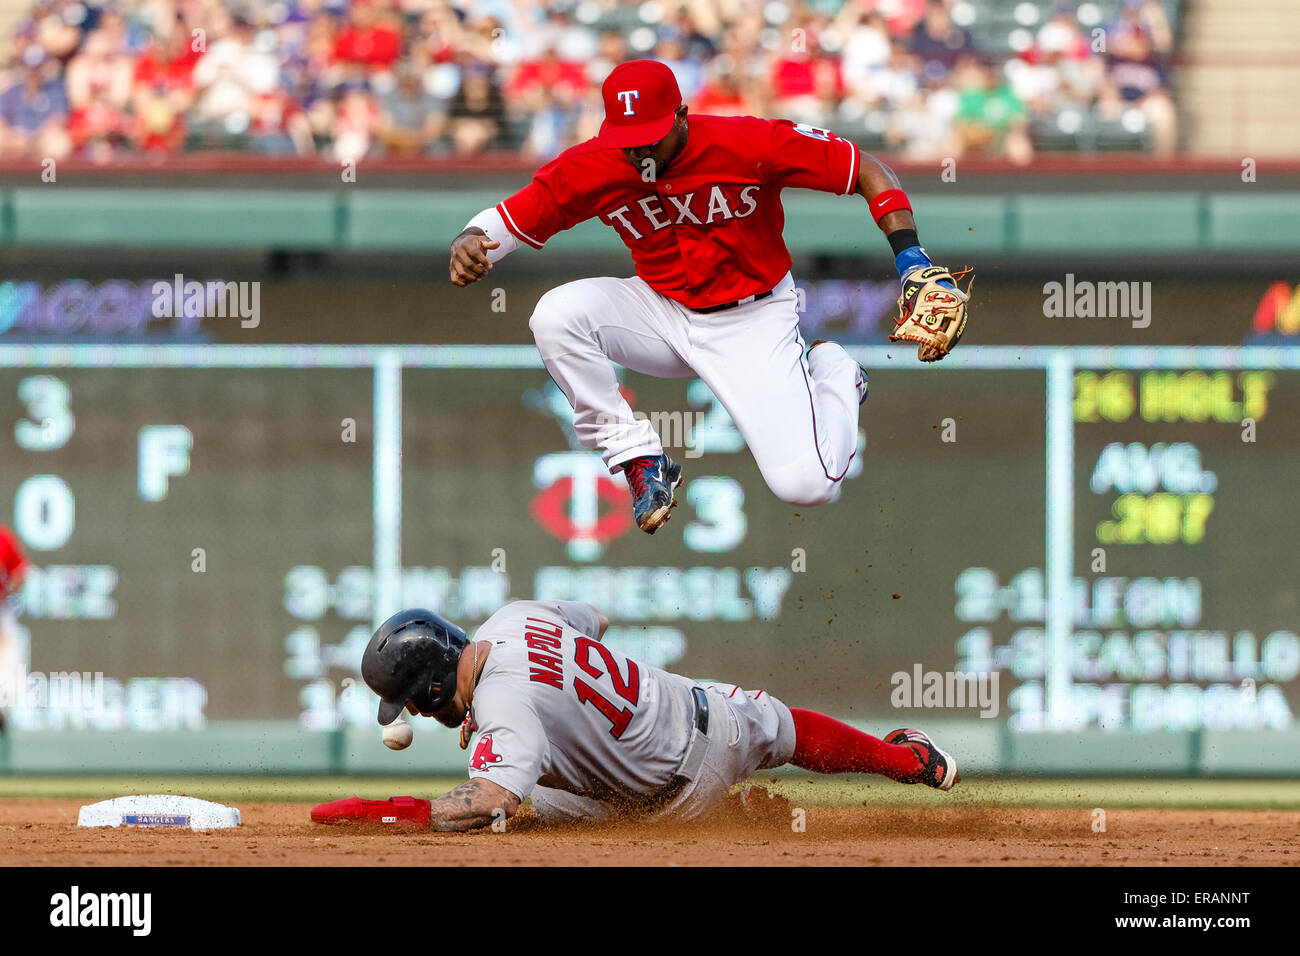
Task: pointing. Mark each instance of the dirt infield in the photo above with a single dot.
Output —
(44, 833)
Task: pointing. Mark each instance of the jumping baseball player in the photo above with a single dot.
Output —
(591, 734)
(12, 568)
(697, 201)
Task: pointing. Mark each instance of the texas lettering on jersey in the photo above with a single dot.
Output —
(708, 230)
(719, 207)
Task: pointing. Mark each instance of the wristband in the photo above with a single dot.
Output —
(891, 200)
(909, 259)
(494, 226)
(902, 239)
(908, 253)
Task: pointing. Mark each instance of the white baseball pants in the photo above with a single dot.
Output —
(799, 416)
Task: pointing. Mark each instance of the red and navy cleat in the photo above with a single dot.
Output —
(652, 480)
(938, 769)
(395, 811)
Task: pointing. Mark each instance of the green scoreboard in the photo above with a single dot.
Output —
(1067, 537)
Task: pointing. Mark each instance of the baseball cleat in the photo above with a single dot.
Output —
(652, 480)
(861, 384)
(939, 770)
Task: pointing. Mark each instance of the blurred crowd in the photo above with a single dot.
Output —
(348, 79)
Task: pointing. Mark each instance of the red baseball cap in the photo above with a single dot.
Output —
(641, 100)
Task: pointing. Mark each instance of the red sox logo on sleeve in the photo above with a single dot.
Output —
(483, 755)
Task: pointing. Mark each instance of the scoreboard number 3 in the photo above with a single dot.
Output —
(50, 422)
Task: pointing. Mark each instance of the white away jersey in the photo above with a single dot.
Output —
(556, 707)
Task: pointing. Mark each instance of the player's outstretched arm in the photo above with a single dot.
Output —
(932, 306)
(875, 180)
(486, 239)
(469, 256)
(472, 805)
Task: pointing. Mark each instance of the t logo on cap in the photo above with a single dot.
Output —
(641, 102)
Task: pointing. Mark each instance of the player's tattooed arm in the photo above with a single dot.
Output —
(474, 804)
(469, 260)
(874, 177)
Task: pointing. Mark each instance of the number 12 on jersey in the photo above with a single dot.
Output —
(628, 690)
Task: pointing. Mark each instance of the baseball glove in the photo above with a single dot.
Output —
(930, 314)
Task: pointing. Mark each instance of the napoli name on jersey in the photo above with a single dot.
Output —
(555, 707)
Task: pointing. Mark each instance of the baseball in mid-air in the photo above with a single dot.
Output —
(398, 735)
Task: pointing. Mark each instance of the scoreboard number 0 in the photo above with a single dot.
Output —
(44, 512)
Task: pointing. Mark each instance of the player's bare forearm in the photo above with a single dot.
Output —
(604, 623)
(469, 260)
(874, 177)
(474, 804)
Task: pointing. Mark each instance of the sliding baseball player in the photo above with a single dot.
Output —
(591, 734)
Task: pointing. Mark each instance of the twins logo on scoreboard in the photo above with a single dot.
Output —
(579, 502)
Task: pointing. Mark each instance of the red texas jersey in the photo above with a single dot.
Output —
(709, 230)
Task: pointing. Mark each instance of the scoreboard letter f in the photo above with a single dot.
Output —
(627, 96)
(164, 452)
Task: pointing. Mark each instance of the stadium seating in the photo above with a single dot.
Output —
(366, 78)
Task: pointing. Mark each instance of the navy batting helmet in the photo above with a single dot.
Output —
(413, 657)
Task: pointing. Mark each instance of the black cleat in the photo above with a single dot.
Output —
(939, 770)
(652, 480)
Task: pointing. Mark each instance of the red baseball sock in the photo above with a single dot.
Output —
(824, 745)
